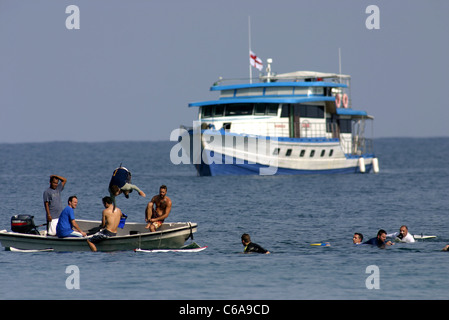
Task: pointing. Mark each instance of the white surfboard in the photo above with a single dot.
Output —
(172, 250)
(423, 237)
(29, 250)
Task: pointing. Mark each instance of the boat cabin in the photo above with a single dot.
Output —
(302, 106)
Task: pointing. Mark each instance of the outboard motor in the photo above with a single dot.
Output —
(23, 223)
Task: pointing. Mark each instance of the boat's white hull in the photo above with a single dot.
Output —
(216, 153)
(132, 236)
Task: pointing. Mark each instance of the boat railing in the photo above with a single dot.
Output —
(302, 129)
(352, 143)
(356, 145)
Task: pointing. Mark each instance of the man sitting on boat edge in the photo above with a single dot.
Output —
(156, 216)
(110, 220)
(67, 226)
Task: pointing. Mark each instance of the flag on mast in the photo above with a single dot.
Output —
(255, 61)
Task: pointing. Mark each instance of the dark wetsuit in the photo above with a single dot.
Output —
(254, 247)
(375, 242)
(120, 177)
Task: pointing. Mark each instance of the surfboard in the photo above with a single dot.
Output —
(29, 250)
(321, 244)
(423, 237)
(172, 250)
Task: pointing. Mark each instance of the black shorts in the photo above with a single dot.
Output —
(102, 235)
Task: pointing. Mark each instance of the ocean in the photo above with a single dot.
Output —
(284, 214)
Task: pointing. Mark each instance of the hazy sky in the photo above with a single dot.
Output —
(130, 70)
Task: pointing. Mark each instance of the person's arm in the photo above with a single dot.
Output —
(392, 235)
(62, 179)
(47, 210)
(103, 219)
(130, 187)
(75, 225)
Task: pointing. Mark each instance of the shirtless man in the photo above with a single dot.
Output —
(109, 223)
(155, 217)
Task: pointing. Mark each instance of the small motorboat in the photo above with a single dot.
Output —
(24, 236)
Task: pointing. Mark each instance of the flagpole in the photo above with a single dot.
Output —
(249, 44)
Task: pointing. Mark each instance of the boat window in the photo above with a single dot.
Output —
(285, 110)
(288, 153)
(239, 109)
(312, 153)
(219, 110)
(302, 153)
(345, 125)
(272, 109)
(311, 111)
(276, 151)
(322, 153)
(331, 152)
(259, 108)
(207, 111)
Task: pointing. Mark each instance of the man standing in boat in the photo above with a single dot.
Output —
(121, 183)
(52, 202)
(109, 222)
(156, 216)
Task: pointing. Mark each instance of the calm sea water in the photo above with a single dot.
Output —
(284, 214)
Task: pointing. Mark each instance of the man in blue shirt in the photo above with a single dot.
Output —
(67, 226)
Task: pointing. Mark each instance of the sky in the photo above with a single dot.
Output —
(131, 69)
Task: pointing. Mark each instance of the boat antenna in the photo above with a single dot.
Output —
(249, 45)
(339, 62)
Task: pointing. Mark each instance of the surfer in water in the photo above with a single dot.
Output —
(251, 246)
(357, 238)
(402, 235)
(380, 240)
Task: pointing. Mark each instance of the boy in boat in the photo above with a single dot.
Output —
(121, 183)
(52, 202)
(251, 246)
(110, 220)
(156, 216)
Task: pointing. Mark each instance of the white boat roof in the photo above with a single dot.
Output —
(306, 75)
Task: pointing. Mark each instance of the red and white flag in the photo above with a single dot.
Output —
(255, 61)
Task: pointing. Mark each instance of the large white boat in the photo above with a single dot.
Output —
(294, 123)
